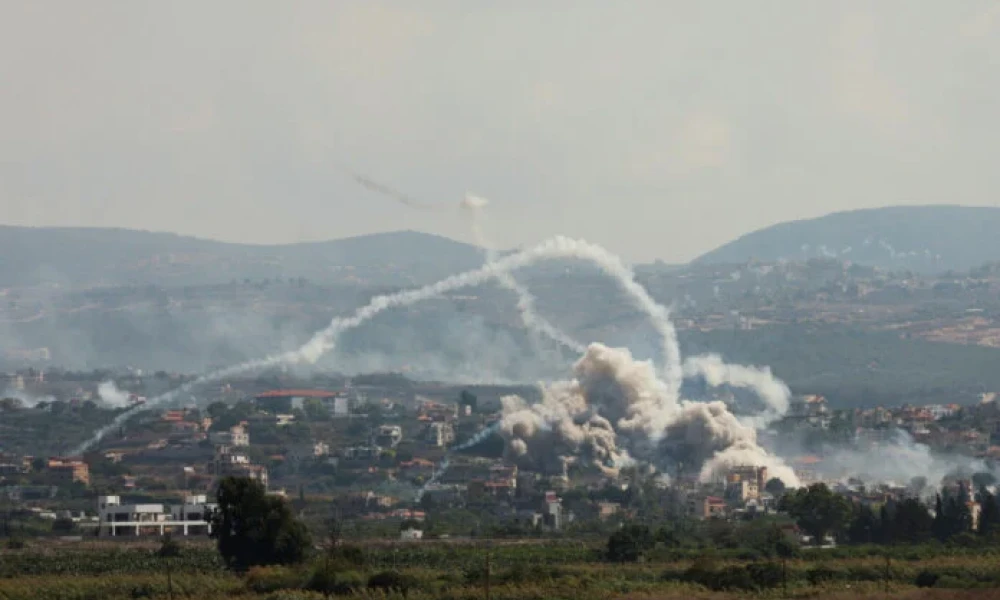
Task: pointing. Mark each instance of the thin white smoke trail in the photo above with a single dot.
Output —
(325, 340)
(530, 317)
(446, 461)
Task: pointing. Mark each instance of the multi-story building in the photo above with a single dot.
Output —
(236, 436)
(235, 464)
(755, 476)
(116, 519)
(440, 434)
(387, 436)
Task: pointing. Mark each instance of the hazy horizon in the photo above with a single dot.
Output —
(657, 129)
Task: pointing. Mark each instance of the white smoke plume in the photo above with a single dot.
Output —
(899, 460)
(325, 340)
(112, 396)
(27, 399)
(617, 411)
(771, 390)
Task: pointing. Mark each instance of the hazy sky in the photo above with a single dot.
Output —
(658, 129)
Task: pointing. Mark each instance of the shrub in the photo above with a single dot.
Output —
(143, 590)
(271, 579)
(926, 579)
(765, 575)
(820, 575)
(334, 581)
(389, 581)
(293, 595)
(16, 544)
(731, 578)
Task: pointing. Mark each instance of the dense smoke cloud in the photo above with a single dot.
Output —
(616, 411)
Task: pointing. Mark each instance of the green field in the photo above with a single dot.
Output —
(105, 571)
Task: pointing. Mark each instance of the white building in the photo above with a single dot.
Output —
(236, 464)
(411, 534)
(440, 434)
(116, 519)
(236, 436)
(388, 436)
(341, 406)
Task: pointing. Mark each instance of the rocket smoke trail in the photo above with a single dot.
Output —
(446, 461)
(378, 188)
(325, 340)
(533, 321)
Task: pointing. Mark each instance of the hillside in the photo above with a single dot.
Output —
(85, 256)
(919, 238)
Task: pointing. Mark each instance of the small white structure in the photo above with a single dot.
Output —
(117, 519)
(440, 434)
(236, 436)
(411, 534)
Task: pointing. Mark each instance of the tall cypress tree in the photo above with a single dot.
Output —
(940, 520)
(989, 515)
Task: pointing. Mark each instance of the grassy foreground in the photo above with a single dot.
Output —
(426, 571)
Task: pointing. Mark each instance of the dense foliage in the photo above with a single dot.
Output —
(255, 528)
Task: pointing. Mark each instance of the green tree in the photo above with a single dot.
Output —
(255, 528)
(315, 410)
(775, 487)
(818, 511)
(865, 527)
(911, 522)
(467, 398)
(989, 517)
(983, 479)
(630, 542)
(217, 409)
(10, 404)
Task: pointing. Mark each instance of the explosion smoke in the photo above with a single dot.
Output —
(616, 411)
(325, 340)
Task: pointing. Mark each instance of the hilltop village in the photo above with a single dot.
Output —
(369, 450)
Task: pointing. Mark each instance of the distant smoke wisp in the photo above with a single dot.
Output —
(27, 399)
(111, 396)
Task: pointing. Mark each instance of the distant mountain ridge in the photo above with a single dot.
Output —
(82, 256)
(924, 239)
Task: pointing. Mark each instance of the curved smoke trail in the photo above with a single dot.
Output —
(530, 317)
(325, 340)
